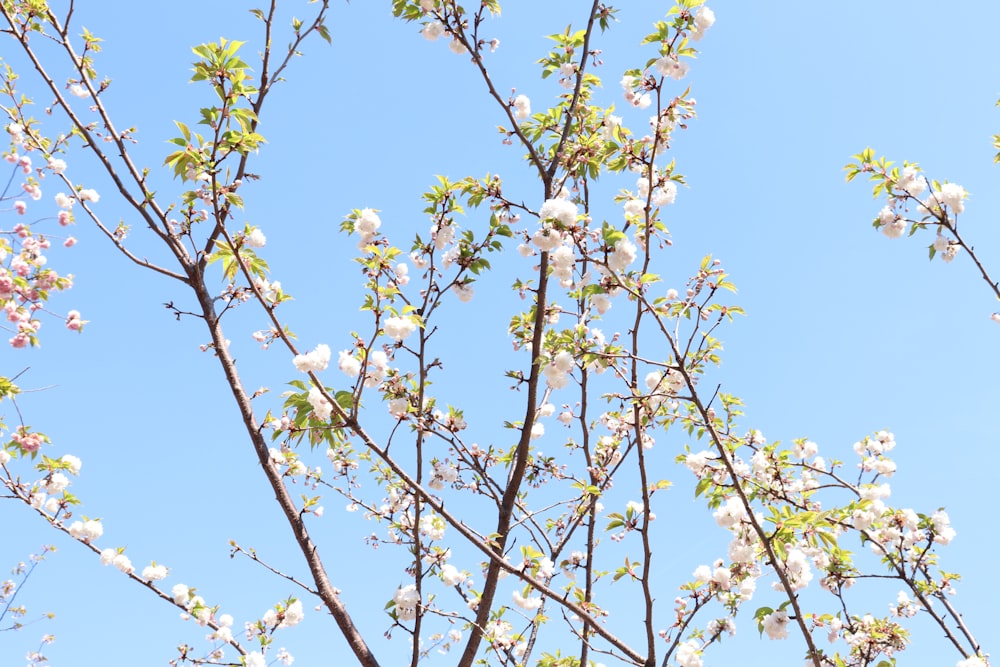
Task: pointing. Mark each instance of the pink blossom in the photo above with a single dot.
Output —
(69, 242)
(32, 190)
(29, 442)
(20, 206)
(73, 321)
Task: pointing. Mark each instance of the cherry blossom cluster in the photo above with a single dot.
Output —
(903, 189)
(901, 538)
(26, 280)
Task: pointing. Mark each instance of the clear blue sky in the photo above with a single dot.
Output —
(847, 332)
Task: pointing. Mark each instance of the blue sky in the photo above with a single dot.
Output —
(847, 332)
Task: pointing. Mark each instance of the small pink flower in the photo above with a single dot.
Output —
(20, 207)
(33, 191)
(73, 321)
(65, 218)
(69, 242)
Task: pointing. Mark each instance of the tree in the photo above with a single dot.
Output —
(499, 551)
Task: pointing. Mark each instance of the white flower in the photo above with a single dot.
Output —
(608, 126)
(635, 208)
(561, 209)
(730, 512)
(451, 576)
(776, 625)
(398, 407)
(406, 599)
(704, 18)
(317, 360)
(563, 260)
(89, 194)
(62, 201)
(911, 182)
(57, 165)
(367, 224)
(56, 483)
(722, 577)
(805, 450)
(432, 526)
(672, 67)
(399, 327)
(293, 615)
(254, 659)
(154, 572)
(181, 594)
(73, 462)
(432, 31)
(322, 408)
(601, 303)
(622, 256)
(522, 107)
(79, 90)
(547, 238)
(464, 292)
(697, 462)
(122, 562)
(943, 532)
(893, 226)
(348, 364)
(530, 603)
(256, 238)
(951, 195)
(797, 569)
(688, 654)
(379, 359)
(442, 234)
(665, 194)
(974, 661)
(457, 47)
(86, 531)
